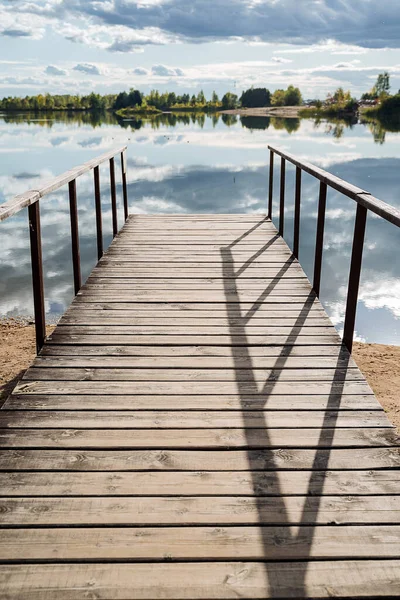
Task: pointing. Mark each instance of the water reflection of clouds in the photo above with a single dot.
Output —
(219, 170)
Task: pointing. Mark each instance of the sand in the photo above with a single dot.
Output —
(380, 364)
(17, 351)
(285, 112)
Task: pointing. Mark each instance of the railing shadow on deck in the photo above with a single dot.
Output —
(259, 401)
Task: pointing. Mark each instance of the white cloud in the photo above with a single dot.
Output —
(88, 69)
(325, 46)
(163, 71)
(140, 71)
(51, 70)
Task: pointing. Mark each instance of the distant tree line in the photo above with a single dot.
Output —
(340, 100)
(134, 99)
(43, 102)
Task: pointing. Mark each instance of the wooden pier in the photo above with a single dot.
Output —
(195, 428)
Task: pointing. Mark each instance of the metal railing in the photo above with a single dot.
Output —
(31, 200)
(365, 202)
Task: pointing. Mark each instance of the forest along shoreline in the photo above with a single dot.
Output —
(380, 363)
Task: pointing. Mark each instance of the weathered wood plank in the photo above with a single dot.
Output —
(198, 362)
(198, 581)
(272, 401)
(205, 543)
(200, 483)
(190, 387)
(218, 309)
(87, 318)
(192, 419)
(207, 332)
(205, 460)
(197, 438)
(58, 337)
(43, 373)
(225, 511)
(302, 351)
(204, 330)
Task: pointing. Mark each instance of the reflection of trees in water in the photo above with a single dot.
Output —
(335, 129)
(49, 118)
(337, 126)
(333, 126)
(229, 119)
(378, 131)
(290, 124)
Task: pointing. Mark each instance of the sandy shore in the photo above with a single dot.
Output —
(285, 112)
(17, 351)
(380, 364)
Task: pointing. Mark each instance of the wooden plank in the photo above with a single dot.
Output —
(225, 511)
(192, 419)
(93, 318)
(196, 438)
(58, 337)
(272, 401)
(205, 543)
(206, 330)
(194, 460)
(190, 387)
(118, 282)
(175, 374)
(198, 581)
(134, 299)
(198, 362)
(330, 350)
(169, 313)
(213, 308)
(200, 483)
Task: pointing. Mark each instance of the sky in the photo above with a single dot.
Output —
(106, 46)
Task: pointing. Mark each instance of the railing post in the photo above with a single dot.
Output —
(99, 223)
(354, 277)
(124, 188)
(113, 198)
(296, 232)
(319, 242)
(37, 274)
(271, 183)
(282, 198)
(76, 259)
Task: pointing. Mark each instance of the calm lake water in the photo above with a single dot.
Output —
(202, 164)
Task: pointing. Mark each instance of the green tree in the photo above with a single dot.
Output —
(201, 99)
(278, 98)
(229, 101)
(255, 97)
(214, 98)
(293, 96)
(382, 85)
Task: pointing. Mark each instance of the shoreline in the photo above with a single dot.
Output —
(380, 363)
(286, 112)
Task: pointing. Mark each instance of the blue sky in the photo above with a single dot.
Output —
(76, 46)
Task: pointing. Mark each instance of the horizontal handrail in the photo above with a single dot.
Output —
(31, 200)
(28, 198)
(363, 197)
(365, 201)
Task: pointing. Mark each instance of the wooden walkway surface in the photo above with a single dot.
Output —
(193, 429)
